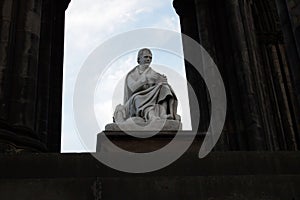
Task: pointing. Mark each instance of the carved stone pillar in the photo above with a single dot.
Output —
(245, 40)
(26, 69)
(294, 10)
(187, 13)
(289, 14)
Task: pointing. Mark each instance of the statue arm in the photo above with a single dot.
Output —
(141, 82)
(136, 85)
(155, 78)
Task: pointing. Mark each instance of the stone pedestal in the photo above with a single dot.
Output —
(142, 143)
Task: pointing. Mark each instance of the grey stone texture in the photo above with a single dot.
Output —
(149, 101)
(154, 125)
(147, 141)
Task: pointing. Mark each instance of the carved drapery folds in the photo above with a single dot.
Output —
(248, 43)
(30, 67)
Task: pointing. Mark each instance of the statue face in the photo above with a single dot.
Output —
(145, 58)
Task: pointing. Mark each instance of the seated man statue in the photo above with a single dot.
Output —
(147, 94)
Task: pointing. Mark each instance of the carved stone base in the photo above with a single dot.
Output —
(146, 141)
(135, 124)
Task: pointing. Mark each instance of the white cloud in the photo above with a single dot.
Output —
(168, 22)
(90, 21)
(88, 24)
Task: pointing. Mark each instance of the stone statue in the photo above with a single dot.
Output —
(147, 94)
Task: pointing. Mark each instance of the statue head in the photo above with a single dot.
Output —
(144, 56)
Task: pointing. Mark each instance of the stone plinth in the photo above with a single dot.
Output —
(145, 141)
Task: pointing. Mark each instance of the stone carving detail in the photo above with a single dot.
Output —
(148, 98)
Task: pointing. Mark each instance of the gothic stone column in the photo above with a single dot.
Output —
(244, 40)
(25, 62)
(186, 11)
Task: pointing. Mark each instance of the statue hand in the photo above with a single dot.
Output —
(152, 78)
(163, 79)
(156, 78)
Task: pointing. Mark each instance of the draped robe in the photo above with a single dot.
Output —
(142, 95)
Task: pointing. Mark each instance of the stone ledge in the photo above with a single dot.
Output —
(137, 125)
(219, 176)
(281, 187)
(44, 165)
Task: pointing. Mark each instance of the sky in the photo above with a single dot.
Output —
(88, 24)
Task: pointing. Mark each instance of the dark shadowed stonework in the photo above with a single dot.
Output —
(220, 176)
(31, 63)
(255, 44)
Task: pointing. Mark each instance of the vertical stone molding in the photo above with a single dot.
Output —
(247, 42)
(31, 47)
(25, 65)
(188, 20)
(289, 14)
(7, 19)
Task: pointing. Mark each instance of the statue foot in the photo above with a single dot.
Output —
(153, 118)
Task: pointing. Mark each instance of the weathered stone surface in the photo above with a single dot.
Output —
(219, 176)
(155, 125)
(145, 141)
(31, 65)
(161, 188)
(148, 99)
(253, 45)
